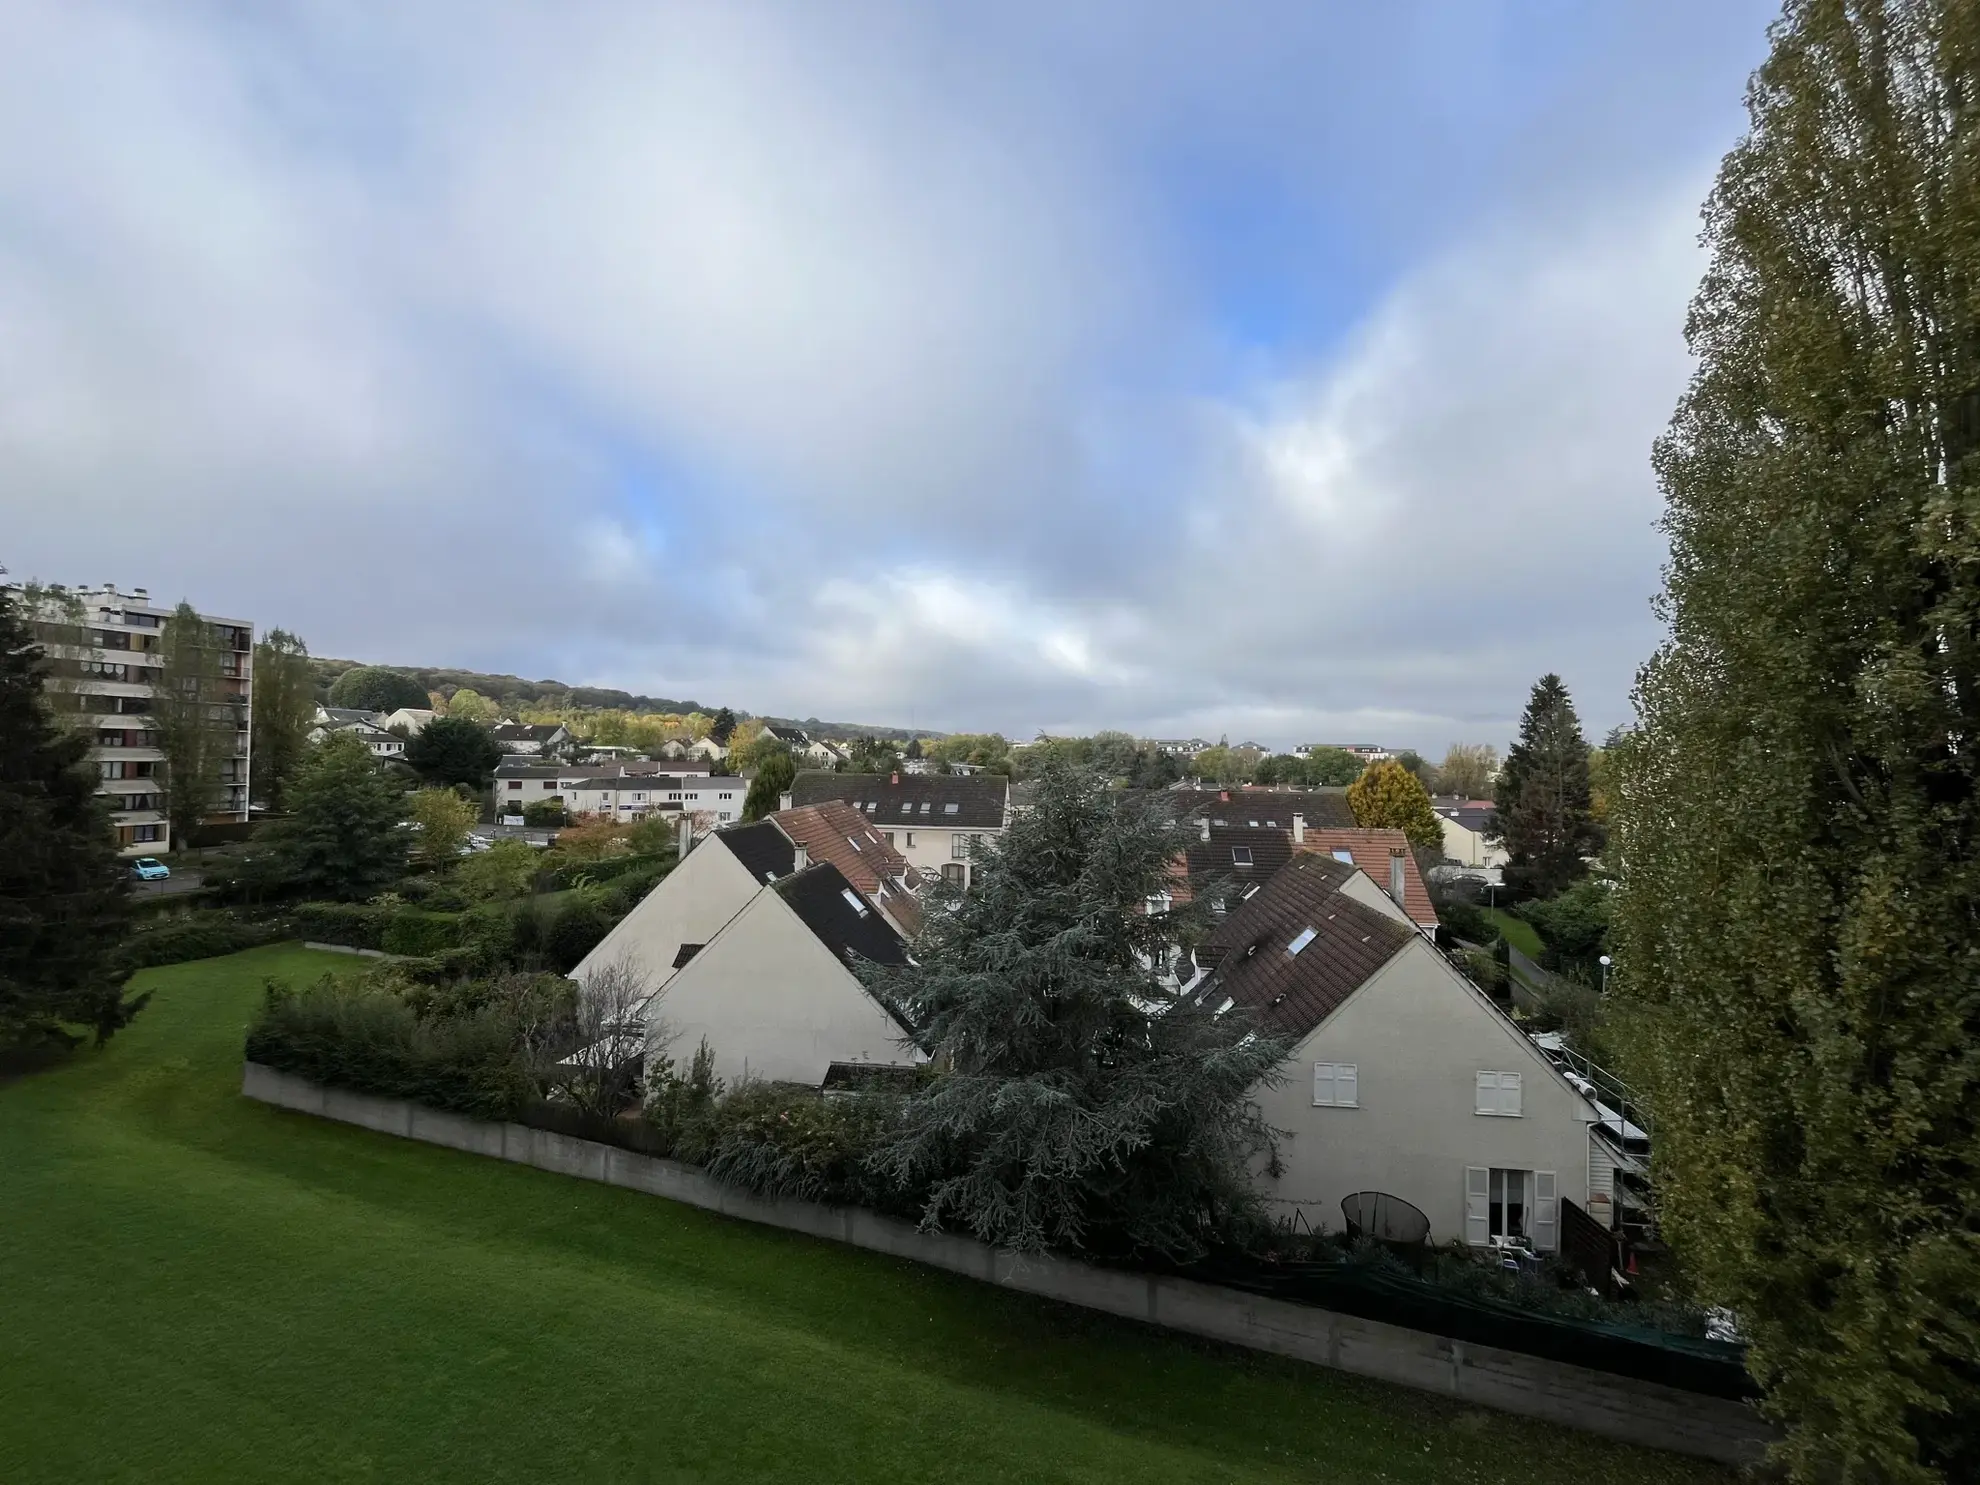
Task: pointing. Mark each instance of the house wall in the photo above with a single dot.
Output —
(773, 1003)
(932, 846)
(1467, 847)
(690, 906)
(1418, 1036)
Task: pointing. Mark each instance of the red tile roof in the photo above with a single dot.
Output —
(836, 832)
(1371, 849)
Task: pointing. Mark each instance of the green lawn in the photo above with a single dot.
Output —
(1517, 932)
(195, 1287)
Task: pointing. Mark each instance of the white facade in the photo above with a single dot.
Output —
(106, 653)
(412, 718)
(1469, 847)
(690, 906)
(1418, 1087)
(773, 1003)
(635, 796)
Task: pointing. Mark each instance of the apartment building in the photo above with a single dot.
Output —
(105, 649)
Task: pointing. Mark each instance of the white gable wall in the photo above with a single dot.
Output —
(691, 904)
(1417, 1036)
(774, 1003)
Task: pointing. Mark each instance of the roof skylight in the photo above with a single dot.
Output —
(1306, 936)
(852, 900)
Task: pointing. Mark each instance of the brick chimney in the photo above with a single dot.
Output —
(893, 778)
(1299, 828)
(1224, 795)
(1396, 876)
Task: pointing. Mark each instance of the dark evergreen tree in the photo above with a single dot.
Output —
(344, 837)
(774, 775)
(448, 750)
(1543, 814)
(723, 726)
(1083, 1106)
(1797, 820)
(64, 894)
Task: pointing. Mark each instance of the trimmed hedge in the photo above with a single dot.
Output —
(418, 932)
(362, 1037)
(393, 929)
(199, 935)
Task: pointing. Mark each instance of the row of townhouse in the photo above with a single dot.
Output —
(107, 666)
(1402, 1079)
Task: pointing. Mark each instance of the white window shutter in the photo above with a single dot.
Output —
(1488, 1093)
(1346, 1085)
(1509, 1093)
(1477, 1213)
(1546, 1212)
(1323, 1082)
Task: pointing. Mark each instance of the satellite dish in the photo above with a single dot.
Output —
(1377, 1214)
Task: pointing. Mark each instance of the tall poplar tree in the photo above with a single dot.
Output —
(284, 709)
(194, 723)
(1542, 809)
(1797, 822)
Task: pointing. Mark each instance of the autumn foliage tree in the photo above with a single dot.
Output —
(1797, 819)
(1389, 795)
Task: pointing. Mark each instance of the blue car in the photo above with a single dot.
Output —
(150, 869)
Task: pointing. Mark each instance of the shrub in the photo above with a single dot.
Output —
(575, 932)
(1574, 923)
(199, 935)
(591, 872)
(505, 869)
(411, 931)
(544, 812)
(360, 1034)
(778, 1140)
(355, 925)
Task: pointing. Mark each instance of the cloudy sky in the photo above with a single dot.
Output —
(1285, 370)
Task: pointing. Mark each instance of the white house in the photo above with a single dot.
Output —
(532, 738)
(805, 747)
(750, 951)
(412, 718)
(635, 796)
(1403, 1078)
(933, 820)
(1465, 822)
(365, 726)
(702, 747)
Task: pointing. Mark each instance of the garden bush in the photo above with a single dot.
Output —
(362, 1035)
(606, 869)
(199, 935)
(355, 925)
(412, 931)
(575, 931)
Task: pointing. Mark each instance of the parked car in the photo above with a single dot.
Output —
(150, 869)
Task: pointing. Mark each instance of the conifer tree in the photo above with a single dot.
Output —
(64, 895)
(1542, 808)
(1797, 820)
(1083, 1105)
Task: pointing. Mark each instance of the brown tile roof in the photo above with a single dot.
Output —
(1236, 854)
(1288, 993)
(1371, 849)
(1266, 807)
(910, 801)
(840, 834)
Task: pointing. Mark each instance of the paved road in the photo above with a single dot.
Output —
(185, 880)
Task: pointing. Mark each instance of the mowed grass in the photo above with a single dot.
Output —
(1517, 931)
(197, 1287)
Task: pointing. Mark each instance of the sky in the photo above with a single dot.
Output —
(1284, 371)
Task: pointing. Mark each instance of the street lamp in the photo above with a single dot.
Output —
(1604, 962)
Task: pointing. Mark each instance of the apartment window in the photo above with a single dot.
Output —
(890, 836)
(959, 845)
(1336, 1085)
(953, 874)
(1510, 1206)
(910, 840)
(1499, 1094)
(549, 783)
(145, 832)
(515, 783)
(110, 739)
(112, 768)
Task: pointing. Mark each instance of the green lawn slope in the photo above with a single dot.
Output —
(197, 1287)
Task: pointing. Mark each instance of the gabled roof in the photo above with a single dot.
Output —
(764, 850)
(908, 801)
(1371, 849)
(838, 833)
(795, 736)
(1239, 853)
(524, 731)
(1472, 814)
(345, 715)
(1266, 807)
(527, 766)
(839, 917)
(1286, 992)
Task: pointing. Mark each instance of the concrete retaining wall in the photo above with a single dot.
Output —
(347, 949)
(1623, 1408)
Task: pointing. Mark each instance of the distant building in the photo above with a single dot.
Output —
(104, 648)
(1366, 752)
(933, 820)
(524, 737)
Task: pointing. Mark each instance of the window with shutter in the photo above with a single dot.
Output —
(1546, 1223)
(1477, 1190)
(1347, 1091)
(1323, 1083)
(1509, 1094)
(1498, 1094)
